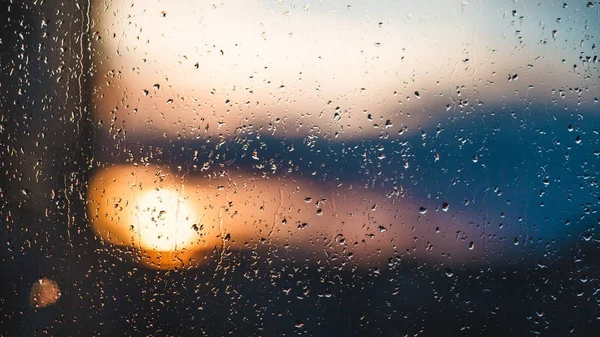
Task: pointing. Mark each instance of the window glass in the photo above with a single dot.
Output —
(271, 168)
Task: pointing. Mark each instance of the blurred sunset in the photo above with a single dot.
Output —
(320, 72)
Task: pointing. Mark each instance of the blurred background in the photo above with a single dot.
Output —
(490, 110)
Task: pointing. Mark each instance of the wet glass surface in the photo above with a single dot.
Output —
(315, 168)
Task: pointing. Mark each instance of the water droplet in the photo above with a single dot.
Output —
(44, 292)
(422, 210)
(445, 206)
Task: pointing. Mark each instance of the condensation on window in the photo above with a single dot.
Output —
(272, 168)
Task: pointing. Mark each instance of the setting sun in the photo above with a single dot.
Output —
(165, 221)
